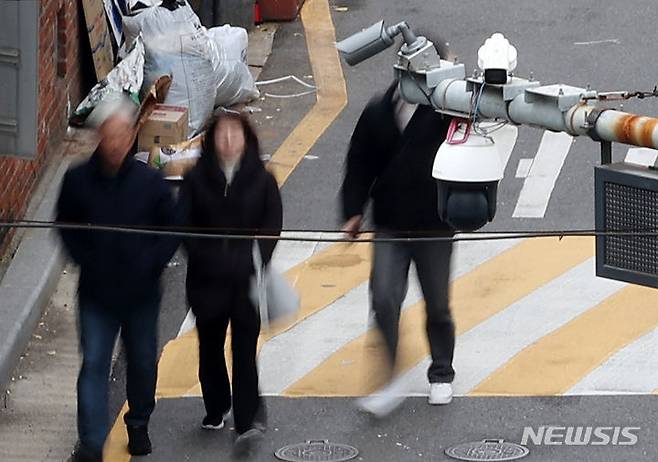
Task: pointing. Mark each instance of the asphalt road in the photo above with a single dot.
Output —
(607, 44)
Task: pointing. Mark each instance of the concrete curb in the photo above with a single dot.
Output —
(30, 280)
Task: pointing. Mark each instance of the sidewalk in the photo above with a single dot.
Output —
(33, 272)
(38, 412)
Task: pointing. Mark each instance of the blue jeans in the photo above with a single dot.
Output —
(99, 326)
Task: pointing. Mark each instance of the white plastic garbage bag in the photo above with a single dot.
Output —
(125, 79)
(176, 44)
(235, 82)
(271, 293)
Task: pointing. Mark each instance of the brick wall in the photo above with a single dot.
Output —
(60, 72)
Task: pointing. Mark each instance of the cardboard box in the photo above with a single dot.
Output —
(176, 160)
(166, 125)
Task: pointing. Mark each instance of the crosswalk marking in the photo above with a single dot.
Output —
(642, 156)
(309, 343)
(556, 362)
(523, 169)
(505, 139)
(633, 369)
(482, 350)
(356, 369)
(287, 255)
(540, 181)
(320, 281)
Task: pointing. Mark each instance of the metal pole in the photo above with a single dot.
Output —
(451, 96)
(606, 152)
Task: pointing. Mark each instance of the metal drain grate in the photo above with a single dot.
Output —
(491, 450)
(317, 450)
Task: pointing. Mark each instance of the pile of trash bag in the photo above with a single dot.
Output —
(167, 38)
(200, 62)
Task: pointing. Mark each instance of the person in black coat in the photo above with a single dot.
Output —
(229, 191)
(389, 162)
(119, 286)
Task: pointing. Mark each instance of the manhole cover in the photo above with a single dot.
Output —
(320, 450)
(492, 450)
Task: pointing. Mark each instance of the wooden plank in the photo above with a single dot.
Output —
(99, 37)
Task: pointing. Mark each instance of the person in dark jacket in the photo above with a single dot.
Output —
(229, 191)
(119, 286)
(390, 162)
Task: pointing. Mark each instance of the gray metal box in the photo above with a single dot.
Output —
(627, 201)
(19, 28)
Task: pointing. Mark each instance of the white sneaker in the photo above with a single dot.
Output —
(247, 444)
(210, 423)
(440, 393)
(382, 402)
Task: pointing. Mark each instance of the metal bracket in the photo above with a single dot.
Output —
(10, 56)
(606, 152)
(564, 96)
(606, 146)
(592, 118)
(517, 86)
(423, 59)
(8, 125)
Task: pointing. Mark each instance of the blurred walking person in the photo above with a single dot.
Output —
(229, 191)
(390, 162)
(119, 286)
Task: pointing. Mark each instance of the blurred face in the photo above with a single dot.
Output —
(229, 140)
(117, 135)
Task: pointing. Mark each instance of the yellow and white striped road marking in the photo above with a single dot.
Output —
(485, 348)
(632, 370)
(310, 342)
(555, 363)
(320, 281)
(490, 288)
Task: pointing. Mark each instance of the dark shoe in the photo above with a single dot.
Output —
(247, 443)
(82, 454)
(212, 423)
(139, 443)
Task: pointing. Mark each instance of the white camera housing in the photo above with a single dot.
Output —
(497, 58)
(467, 174)
(475, 161)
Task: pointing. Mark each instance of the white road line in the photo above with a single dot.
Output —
(505, 139)
(632, 370)
(599, 42)
(293, 354)
(523, 170)
(642, 156)
(543, 174)
(488, 346)
(289, 254)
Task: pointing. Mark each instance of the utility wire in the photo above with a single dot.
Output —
(364, 236)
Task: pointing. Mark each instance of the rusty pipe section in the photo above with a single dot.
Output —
(632, 129)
